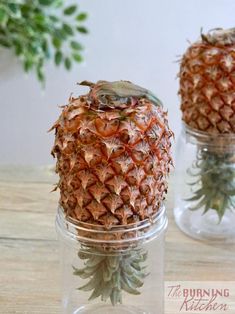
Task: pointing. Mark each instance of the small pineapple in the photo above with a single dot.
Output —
(207, 90)
(113, 156)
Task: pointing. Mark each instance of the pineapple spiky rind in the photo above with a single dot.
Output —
(108, 148)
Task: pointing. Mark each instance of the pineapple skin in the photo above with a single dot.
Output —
(207, 83)
(113, 158)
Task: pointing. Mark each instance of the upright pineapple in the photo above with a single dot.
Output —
(207, 90)
(113, 156)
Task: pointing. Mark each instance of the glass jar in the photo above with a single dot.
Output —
(117, 270)
(205, 185)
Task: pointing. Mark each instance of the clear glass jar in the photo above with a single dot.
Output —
(205, 185)
(118, 270)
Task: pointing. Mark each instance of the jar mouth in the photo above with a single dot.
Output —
(86, 233)
(195, 136)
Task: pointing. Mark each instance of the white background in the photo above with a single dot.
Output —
(136, 40)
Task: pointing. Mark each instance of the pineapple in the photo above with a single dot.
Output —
(113, 156)
(207, 90)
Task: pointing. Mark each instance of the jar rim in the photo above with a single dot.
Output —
(205, 135)
(221, 142)
(88, 233)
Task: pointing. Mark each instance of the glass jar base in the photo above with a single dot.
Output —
(107, 309)
(206, 227)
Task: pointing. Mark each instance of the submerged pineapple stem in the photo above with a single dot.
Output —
(214, 182)
(109, 275)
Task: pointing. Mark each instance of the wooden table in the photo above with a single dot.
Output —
(29, 280)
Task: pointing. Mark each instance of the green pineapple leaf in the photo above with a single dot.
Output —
(109, 275)
(215, 177)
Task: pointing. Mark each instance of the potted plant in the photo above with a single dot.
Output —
(37, 31)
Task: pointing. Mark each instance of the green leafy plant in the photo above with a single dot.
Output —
(39, 30)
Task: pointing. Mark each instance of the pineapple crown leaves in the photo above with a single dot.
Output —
(219, 36)
(119, 89)
(110, 275)
(215, 182)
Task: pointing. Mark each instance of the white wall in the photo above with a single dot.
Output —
(137, 40)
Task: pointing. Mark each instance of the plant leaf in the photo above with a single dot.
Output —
(82, 29)
(58, 57)
(40, 75)
(18, 47)
(67, 29)
(60, 34)
(28, 64)
(14, 8)
(45, 49)
(56, 42)
(76, 45)
(81, 17)
(77, 57)
(67, 63)
(3, 17)
(46, 2)
(70, 10)
(39, 18)
(54, 18)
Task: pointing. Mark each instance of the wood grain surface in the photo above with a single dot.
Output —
(29, 266)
